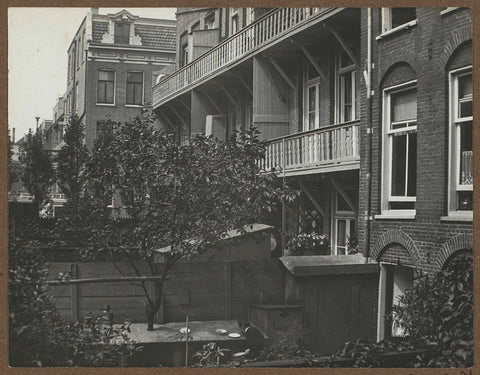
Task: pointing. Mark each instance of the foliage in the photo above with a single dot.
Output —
(37, 173)
(180, 199)
(436, 314)
(210, 355)
(13, 168)
(302, 242)
(71, 159)
(37, 336)
(439, 310)
(294, 343)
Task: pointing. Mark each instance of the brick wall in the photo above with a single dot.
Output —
(425, 50)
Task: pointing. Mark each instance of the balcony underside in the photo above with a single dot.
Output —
(345, 165)
(266, 32)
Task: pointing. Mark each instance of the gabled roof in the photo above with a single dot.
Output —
(157, 36)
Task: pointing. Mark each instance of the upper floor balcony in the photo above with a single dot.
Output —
(327, 149)
(274, 27)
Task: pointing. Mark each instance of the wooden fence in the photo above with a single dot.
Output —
(201, 290)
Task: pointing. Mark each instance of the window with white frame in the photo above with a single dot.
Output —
(345, 88)
(106, 87)
(311, 98)
(134, 88)
(395, 17)
(343, 228)
(461, 154)
(400, 148)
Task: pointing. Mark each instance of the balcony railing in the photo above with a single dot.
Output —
(327, 147)
(270, 27)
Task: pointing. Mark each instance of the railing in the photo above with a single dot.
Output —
(466, 169)
(314, 148)
(264, 30)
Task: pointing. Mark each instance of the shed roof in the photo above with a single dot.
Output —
(317, 265)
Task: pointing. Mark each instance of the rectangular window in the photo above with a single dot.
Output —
(345, 100)
(395, 17)
(122, 33)
(461, 151)
(400, 148)
(343, 230)
(311, 98)
(106, 87)
(210, 21)
(134, 88)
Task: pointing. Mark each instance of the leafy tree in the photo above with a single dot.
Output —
(37, 168)
(37, 336)
(71, 160)
(177, 201)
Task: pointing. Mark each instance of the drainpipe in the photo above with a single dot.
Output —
(368, 81)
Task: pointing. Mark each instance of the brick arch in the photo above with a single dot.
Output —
(396, 236)
(457, 38)
(402, 55)
(459, 242)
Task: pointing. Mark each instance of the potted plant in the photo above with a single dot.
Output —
(307, 244)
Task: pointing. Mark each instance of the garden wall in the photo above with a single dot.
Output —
(202, 290)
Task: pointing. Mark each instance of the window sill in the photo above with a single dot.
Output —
(458, 216)
(134, 105)
(392, 215)
(405, 26)
(449, 10)
(106, 105)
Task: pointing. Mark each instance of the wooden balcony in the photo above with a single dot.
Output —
(275, 26)
(321, 150)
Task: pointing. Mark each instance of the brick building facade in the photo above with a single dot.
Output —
(367, 111)
(113, 61)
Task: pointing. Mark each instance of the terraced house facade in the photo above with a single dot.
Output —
(367, 111)
(113, 62)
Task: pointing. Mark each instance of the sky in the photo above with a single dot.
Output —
(38, 39)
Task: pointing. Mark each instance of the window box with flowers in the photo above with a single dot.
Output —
(307, 244)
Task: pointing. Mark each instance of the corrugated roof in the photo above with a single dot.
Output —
(156, 35)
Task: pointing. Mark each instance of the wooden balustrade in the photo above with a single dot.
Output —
(315, 148)
(252, 37)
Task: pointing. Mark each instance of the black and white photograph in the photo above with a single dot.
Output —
(244, 187)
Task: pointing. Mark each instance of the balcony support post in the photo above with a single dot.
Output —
(282, 73)
(234, 102)
(272, 79)
(312, 199)
(178, 115)
(184, 105)
(173, 127)
(343, 194)
(311, 59)
(219, 111)
(244, 83)
(344, 45)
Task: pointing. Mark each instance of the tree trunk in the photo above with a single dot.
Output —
(150, 316)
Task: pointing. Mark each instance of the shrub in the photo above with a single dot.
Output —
(436, 314)
(37, 336)
(292, 344)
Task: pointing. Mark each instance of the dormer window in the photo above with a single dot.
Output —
(122, 32)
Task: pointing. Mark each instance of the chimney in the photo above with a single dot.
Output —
(94, 10)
